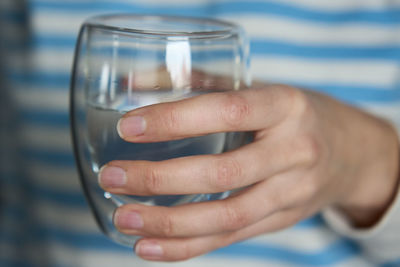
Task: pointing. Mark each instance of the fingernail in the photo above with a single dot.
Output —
(128, 220)
(112, 177)
(149, 249)
(131, 126)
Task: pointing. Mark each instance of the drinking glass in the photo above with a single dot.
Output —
(126, 61)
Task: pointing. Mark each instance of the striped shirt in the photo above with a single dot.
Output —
(347, 49)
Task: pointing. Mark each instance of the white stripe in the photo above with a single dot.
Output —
(390, 112)
(9, 252)
(55, 22)
(275, 68)
(257, 26)
(338, 5)
(12, 32)
(309, 33)
(46, 138)
(317, 238)
(90, 258)
(34, 98)
(56, 60)
(12, 194)
(71, 219)
(8, 153)
(306, 240)
(10, 5)
(11, 226)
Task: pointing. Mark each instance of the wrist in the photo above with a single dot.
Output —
(377, 178)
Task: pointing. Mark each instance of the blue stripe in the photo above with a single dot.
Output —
(353, 94)
(389, 16)
(45, 118)
(258, 47)
(13, 16)
(83, 240)
(61, 159)
(53, 40)
(312, 222)
(48, 79)
(16, 263)
(61, 198)
(14, 212)
(335, 253)
(14, 238)
(394, 263)
(9, 177)
(33, 191)
(74, 199)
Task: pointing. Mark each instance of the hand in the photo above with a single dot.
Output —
(309, 152)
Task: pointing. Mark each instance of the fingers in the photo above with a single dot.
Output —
(245, 110)
(205, 218)
(178, 249)
(201, 174)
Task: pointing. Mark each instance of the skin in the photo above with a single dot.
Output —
(310, 152)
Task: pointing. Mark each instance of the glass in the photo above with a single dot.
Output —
(123, 62)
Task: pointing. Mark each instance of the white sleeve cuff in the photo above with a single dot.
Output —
(381, 242)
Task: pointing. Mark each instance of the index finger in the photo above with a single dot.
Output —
(246, 110)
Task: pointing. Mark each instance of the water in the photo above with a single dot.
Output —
(106, 145)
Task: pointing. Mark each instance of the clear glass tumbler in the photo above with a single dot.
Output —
(123, 62)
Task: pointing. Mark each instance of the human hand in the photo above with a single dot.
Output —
(309, 152)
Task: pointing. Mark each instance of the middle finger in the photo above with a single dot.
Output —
(199, 174)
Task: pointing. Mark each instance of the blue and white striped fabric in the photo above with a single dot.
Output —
(348, 49)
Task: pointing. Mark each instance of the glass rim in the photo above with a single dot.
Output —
(226, 28)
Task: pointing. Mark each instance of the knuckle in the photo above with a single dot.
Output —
(234, 218)
(298, 99)
(185, 252)
(167, 228)
(309, 150)
(171, 119)
(276, 201)
(298, 103)
(305, 192)
(228, 173)
(309, 190)
(152, 181)
(235, 109)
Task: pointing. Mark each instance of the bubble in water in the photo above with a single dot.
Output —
(107, 195)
